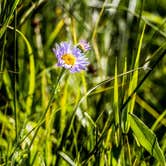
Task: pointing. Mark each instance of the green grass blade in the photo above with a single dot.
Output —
(42, 118)
(15, 77)
(133, 82)
(9, 90)
(116, 104)
(2, 58)
(31, 74)
(160, 119)
(54, 33)
(31, 71)
(63, 103)
(103, 83)
(124, 94)
(116, 97)
(146, 138)
(4, 26)
(67, 158)
(31, 9)
(133, 85)
(94, 34)
(151, 111)
(124, 78)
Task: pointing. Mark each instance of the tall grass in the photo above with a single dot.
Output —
(111, 114)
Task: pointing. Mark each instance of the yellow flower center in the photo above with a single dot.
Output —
(69, 59)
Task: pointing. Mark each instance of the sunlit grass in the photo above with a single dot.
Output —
(113, 113)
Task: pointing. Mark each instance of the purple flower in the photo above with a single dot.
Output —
(70, 57)
(84, 45)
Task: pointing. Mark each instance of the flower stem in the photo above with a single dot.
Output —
(49, 103)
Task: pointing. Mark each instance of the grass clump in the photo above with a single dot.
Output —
(103, 104)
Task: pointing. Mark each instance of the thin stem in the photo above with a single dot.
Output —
(128, 149)
(53, 91)
(15, 76)
(144, 78)
(49, 103)
(3, 53)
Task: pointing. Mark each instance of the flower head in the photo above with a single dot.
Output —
(70, 57)
(84, 45)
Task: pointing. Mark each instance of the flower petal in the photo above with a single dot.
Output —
(66, 50)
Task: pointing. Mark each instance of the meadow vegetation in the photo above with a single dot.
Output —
(113, 113)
